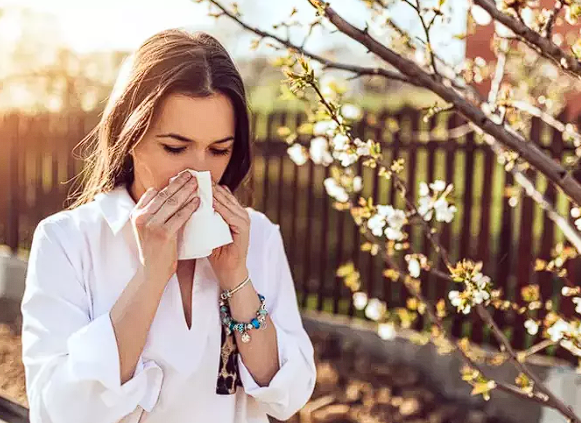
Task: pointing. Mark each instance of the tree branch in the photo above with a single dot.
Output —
(544, 46)
(527, 150)
(522, 367)
(433, 237)
(360, 70)
(548, 28)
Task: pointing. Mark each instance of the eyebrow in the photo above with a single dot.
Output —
(186, 139)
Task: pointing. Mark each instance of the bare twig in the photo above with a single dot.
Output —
(555, 172)
(544, 46)
(498, 74)
(544, 116)
(506, 387)
(548, 28)
(551, 399)
(505, 135)
(547, 398)
(426, 28)
(570, 232)
(523, 368)
(360, 70)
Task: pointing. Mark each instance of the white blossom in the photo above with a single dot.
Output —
(340, 142)
(350, 111)
(357, 183)
(528, 16)
(438, 185)
(532, 327)
(359, 300)
(325, 127)
(426, 208)
(375, 309)
(394, 234)
(346, 159)
(436, 201)
(577, 301)
(319, 151)
(476, 291)
(481, 16)
(396, 219)
(480, 296)
(335, 190)
(384, 211)
(502, 30)
(363, 148)
(455, 298)
(558, 329)
(376, 223)
(480, 280)
(342, 196)
(414, 267)
(386, 331)
(298, 154)
(444, 212)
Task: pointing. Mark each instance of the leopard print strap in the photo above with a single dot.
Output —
(228, 373)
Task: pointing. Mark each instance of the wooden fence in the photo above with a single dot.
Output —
(36, 160)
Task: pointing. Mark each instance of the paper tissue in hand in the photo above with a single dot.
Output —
(206, 229)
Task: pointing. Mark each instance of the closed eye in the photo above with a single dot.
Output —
(178, 150)
(219, 152)
(173, 150)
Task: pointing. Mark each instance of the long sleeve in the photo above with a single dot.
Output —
(293, 384)
(71, 362)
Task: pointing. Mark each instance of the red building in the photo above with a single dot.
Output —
(480, 44)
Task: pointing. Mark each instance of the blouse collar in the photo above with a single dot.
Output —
(116, 206)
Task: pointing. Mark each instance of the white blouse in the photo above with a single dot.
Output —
(80, 262)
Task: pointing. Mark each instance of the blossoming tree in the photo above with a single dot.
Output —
(525, 42)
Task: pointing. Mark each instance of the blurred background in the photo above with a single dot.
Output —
(58, 63)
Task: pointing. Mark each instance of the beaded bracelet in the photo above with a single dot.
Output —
(259, 322)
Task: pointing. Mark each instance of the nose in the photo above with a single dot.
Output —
(197, 161)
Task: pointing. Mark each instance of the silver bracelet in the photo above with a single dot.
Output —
(227, 294)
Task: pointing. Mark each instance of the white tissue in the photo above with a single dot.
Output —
(206, 229)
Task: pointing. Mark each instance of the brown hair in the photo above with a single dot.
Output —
(171, 61)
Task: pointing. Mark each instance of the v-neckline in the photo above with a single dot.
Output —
(195, 279)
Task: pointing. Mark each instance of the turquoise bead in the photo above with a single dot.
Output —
(255, 323)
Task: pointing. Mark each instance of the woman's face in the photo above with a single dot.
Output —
(188, 132)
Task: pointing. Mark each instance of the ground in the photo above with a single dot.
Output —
(351, 387)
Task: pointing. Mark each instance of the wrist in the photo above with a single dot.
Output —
(153, 278)
(232, 279)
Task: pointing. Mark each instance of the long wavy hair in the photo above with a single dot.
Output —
(171, 61)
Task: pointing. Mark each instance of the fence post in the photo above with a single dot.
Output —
(12, 233)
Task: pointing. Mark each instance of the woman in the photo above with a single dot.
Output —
(115, 328)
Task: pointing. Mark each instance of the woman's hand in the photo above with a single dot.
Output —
(156, 219)
(229, 261)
